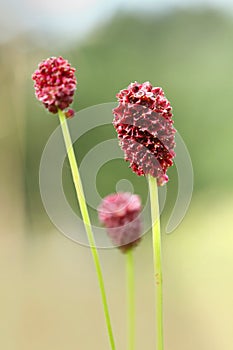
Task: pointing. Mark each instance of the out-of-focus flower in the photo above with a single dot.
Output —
(55, 83)
(143, 121)
(119, 213)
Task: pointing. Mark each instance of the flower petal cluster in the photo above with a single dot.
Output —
(143, 121)
(120, 214)
(55, 83)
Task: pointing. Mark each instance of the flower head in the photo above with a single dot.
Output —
(55, 83)
(119, 213)
(143, 121)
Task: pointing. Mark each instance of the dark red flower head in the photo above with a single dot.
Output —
(143, 121)
(119, 213)
(55, 83)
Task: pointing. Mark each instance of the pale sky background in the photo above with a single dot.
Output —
(75, 18)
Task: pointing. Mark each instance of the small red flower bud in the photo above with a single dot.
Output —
(143, 121)
(70, 113)
(55, 83)
(119, 213)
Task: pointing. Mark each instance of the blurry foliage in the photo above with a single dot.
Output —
(189, 54)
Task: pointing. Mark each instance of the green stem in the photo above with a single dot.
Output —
(130, 299)
(86, 220)
(156, 236)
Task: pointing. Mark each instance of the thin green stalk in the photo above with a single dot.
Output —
(130, 299)
(157, 259)
(86, 220)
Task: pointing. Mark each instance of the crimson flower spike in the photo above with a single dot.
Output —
(120, 214)
(55, 84)
(143, 121)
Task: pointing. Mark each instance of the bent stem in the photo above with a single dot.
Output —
(156, 237)
(130, 299)
(86, 220)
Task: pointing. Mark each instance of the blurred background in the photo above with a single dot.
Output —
(49, 296)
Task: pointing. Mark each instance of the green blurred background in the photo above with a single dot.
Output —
(49, 296)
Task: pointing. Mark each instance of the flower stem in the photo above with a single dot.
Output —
(86, 220)
(130, 299)
(156, 236)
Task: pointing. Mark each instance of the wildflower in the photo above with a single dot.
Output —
(55, 83)
(143, 121)
(119, 213)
